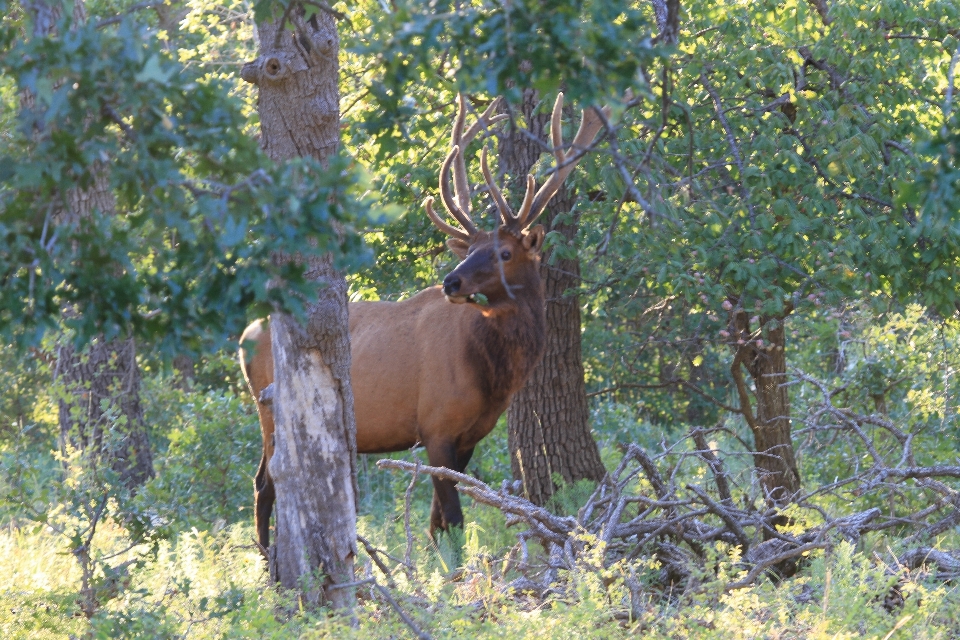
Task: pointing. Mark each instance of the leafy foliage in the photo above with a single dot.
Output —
(187, 215)
(208, 460)
(592, 48)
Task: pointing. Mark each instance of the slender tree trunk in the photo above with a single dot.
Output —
(548, 420)
(766, 363)
(314, 462)
(99, 403)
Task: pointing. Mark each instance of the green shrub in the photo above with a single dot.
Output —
(212, 453)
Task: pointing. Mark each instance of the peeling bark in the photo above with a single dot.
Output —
(314, 463)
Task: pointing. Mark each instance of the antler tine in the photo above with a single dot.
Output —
(448, 229)
(448, 199)
(556, 133)
(590, 124)
(506, 214)
(484, 121)
(461, 186)
(527, 200)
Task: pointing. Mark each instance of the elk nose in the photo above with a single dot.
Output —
(451, 284)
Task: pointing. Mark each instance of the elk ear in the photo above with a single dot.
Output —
(458, 246)
(533, 239)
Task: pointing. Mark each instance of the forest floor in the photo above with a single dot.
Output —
(211, 583)
(179, 560)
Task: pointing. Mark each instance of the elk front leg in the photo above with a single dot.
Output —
(445, 512)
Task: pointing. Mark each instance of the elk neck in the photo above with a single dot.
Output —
(508, 339)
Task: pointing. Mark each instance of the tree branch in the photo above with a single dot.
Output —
(732, 141)
(769, 562)
(151, 4)
(822, 9)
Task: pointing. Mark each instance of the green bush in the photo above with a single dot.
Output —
(212, 453)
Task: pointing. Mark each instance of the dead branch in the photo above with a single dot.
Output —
(728, 518)
(678, 522)
(716, 466)
(373, 552)
(407, 620)
(762, 566)
(406, 515)
(948, 566)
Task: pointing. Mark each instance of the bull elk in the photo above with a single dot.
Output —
(439, 369)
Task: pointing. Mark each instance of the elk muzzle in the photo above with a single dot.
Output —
(451, 285)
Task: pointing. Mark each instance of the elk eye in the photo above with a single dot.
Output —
(505, 255)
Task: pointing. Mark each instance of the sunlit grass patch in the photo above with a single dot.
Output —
(38, 583)
(34, 560)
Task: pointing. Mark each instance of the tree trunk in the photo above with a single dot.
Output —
(99, 404)
(314, 462)
(548, 420)
(766, 363)
(100, 401)
(667, 14)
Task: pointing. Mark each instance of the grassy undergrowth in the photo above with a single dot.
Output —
(211, 584)
(197, 573)
(208, 580)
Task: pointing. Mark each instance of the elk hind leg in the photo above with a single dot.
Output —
(263, 498)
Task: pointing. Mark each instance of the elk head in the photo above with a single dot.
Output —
(498, 265)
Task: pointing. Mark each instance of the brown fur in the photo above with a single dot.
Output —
(426, 371)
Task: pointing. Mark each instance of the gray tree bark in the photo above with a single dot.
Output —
(314, 462)
(99, 399)
(548, 420)
(99, 406)
(667, 13)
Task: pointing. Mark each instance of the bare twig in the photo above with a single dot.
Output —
(406, 514)
(716, 466)
(407, 620)
(350, 585)
(140, 6)
(732, 141)
(760, 567)
(374, 553)
(728, 518)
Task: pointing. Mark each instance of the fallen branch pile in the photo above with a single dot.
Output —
(675, 525)
(642, 509)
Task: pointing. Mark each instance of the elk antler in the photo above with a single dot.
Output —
(535, 201)
(458, 203)
(591, 122)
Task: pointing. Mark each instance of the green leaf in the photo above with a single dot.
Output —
(153, 72)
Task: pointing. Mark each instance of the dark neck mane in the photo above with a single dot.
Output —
(508, 342)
